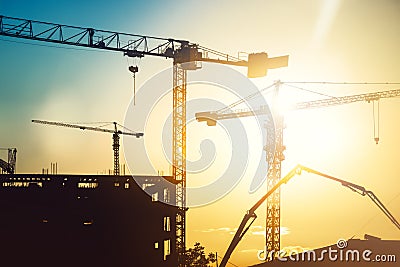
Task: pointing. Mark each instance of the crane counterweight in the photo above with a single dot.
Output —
(274, 159)
(185, 55)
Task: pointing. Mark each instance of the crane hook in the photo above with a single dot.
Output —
(375, 115)
(134, 69)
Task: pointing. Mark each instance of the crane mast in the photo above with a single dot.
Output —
(115, 136)
(185, 56)
(115, 146)
(179, 156)
(275, 157)
(251, 215)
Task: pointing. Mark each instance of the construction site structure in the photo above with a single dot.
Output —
(185, 55)
(251, 216)
(274, 144)
(115, 136)
(212, 116)
(81, 220)
(9, 165)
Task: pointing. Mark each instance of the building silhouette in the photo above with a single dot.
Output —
(87, 220)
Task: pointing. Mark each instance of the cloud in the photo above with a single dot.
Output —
(254, 230)
(258, 233)
(261, 230)
(285, 230)
(221, 229)
(249, 250)
(290, 250)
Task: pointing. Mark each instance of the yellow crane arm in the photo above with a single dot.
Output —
(82, 127)
(212, 116)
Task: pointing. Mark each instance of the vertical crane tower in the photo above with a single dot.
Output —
(115, 136)
(185, 56)
(275, 157)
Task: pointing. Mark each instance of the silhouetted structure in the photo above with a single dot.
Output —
(355, 253)
(86, 220)
(114, 131)
(9, 165)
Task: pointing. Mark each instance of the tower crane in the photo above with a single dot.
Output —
(185, 55)
(251, 215)
(9, 165)
(274, 158)
(211, 117)
(115, 136)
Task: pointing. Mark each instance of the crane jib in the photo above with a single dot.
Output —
(132, 45)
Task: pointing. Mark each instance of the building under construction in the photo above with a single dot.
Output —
(92, 220)
(87, 220)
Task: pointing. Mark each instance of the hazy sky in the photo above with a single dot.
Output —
(342, 41)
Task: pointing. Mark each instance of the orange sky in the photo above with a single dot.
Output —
(343, 41)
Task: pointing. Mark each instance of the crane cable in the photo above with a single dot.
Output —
(242, 100)
(306, 90)
(126, 128)
(134, 69)
(101, 125)
(272, 86)
(375, 115)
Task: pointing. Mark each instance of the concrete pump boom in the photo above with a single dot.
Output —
(250, 214)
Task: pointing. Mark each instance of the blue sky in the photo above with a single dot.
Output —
(345, 41)
(32, 73)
